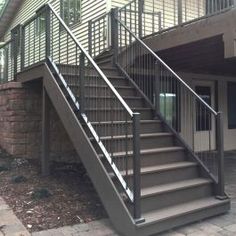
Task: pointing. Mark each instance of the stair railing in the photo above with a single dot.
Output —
(114, 129)
(99, 34)
(188, 115)
(6, 62)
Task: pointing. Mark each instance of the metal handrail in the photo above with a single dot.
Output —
(168, 68)
(5, 43)
(99, 71)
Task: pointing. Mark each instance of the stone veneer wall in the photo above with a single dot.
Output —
(20, 124)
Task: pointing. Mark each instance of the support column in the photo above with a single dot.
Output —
(45, 158)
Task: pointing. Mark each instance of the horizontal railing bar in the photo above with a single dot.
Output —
(168, 68)
(123, 103)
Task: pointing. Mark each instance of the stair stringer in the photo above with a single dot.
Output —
(114, 205)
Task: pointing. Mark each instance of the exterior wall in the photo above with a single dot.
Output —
(20, 124)
(119, 3)
(90, 10)
(221, 82)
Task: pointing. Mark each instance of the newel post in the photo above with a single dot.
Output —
(220, 156)
(114, 33)
(137, 168)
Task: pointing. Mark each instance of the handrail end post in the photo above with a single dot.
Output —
(137, 168)
(220, 191)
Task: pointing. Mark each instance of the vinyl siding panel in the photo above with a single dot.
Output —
(90, 10)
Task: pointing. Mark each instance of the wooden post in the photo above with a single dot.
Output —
(45, 135)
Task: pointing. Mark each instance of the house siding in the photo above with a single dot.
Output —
(90, 10)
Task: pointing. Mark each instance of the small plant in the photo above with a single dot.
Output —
(18, 179)
(40, 194)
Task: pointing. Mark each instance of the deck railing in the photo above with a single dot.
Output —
(189, 116)
(149, 17)
(6, 62)
(99, 34)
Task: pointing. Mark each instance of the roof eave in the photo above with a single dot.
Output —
(8, 14)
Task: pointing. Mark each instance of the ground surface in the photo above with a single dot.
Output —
(67, 197)
(223, 225)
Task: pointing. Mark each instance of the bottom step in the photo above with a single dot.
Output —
(161, 220)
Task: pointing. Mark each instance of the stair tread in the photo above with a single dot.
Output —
(102, 86)
(148, 151)
(163, 167)
(123, 122)
(112, 97)
(180, 209)
(95, 75)
(164, 188)
(159, 134)
(120, 109)
(169, 166)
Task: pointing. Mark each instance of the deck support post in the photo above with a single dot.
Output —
(45, 161)
(180, 12)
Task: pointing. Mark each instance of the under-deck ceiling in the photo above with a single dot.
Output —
(204, 56)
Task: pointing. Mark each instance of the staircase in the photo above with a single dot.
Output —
(148, 174)
(174, 191)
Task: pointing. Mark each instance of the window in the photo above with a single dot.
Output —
(71, 11)
(203, 117)
(40, 24)
(231, 92)
(170, 104)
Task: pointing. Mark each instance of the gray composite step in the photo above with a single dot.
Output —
(149, 151)
(117, 137)
(175, 186)
(163, 168)
(148, 140)
(149, 157)
(123, 127)
(170, 217)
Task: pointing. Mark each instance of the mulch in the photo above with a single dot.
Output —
(66, 197)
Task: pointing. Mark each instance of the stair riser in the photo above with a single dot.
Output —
(115, 115)
(187, 218)
(146, 143)
(123, 129)
(150, 160)
(105, 62)
(162, 158)
(116, 81)
(177, 197)
(168, 176)
(101, 91)
(111, 102)
(75, 70)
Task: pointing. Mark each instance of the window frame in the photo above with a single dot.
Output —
(77, 15)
